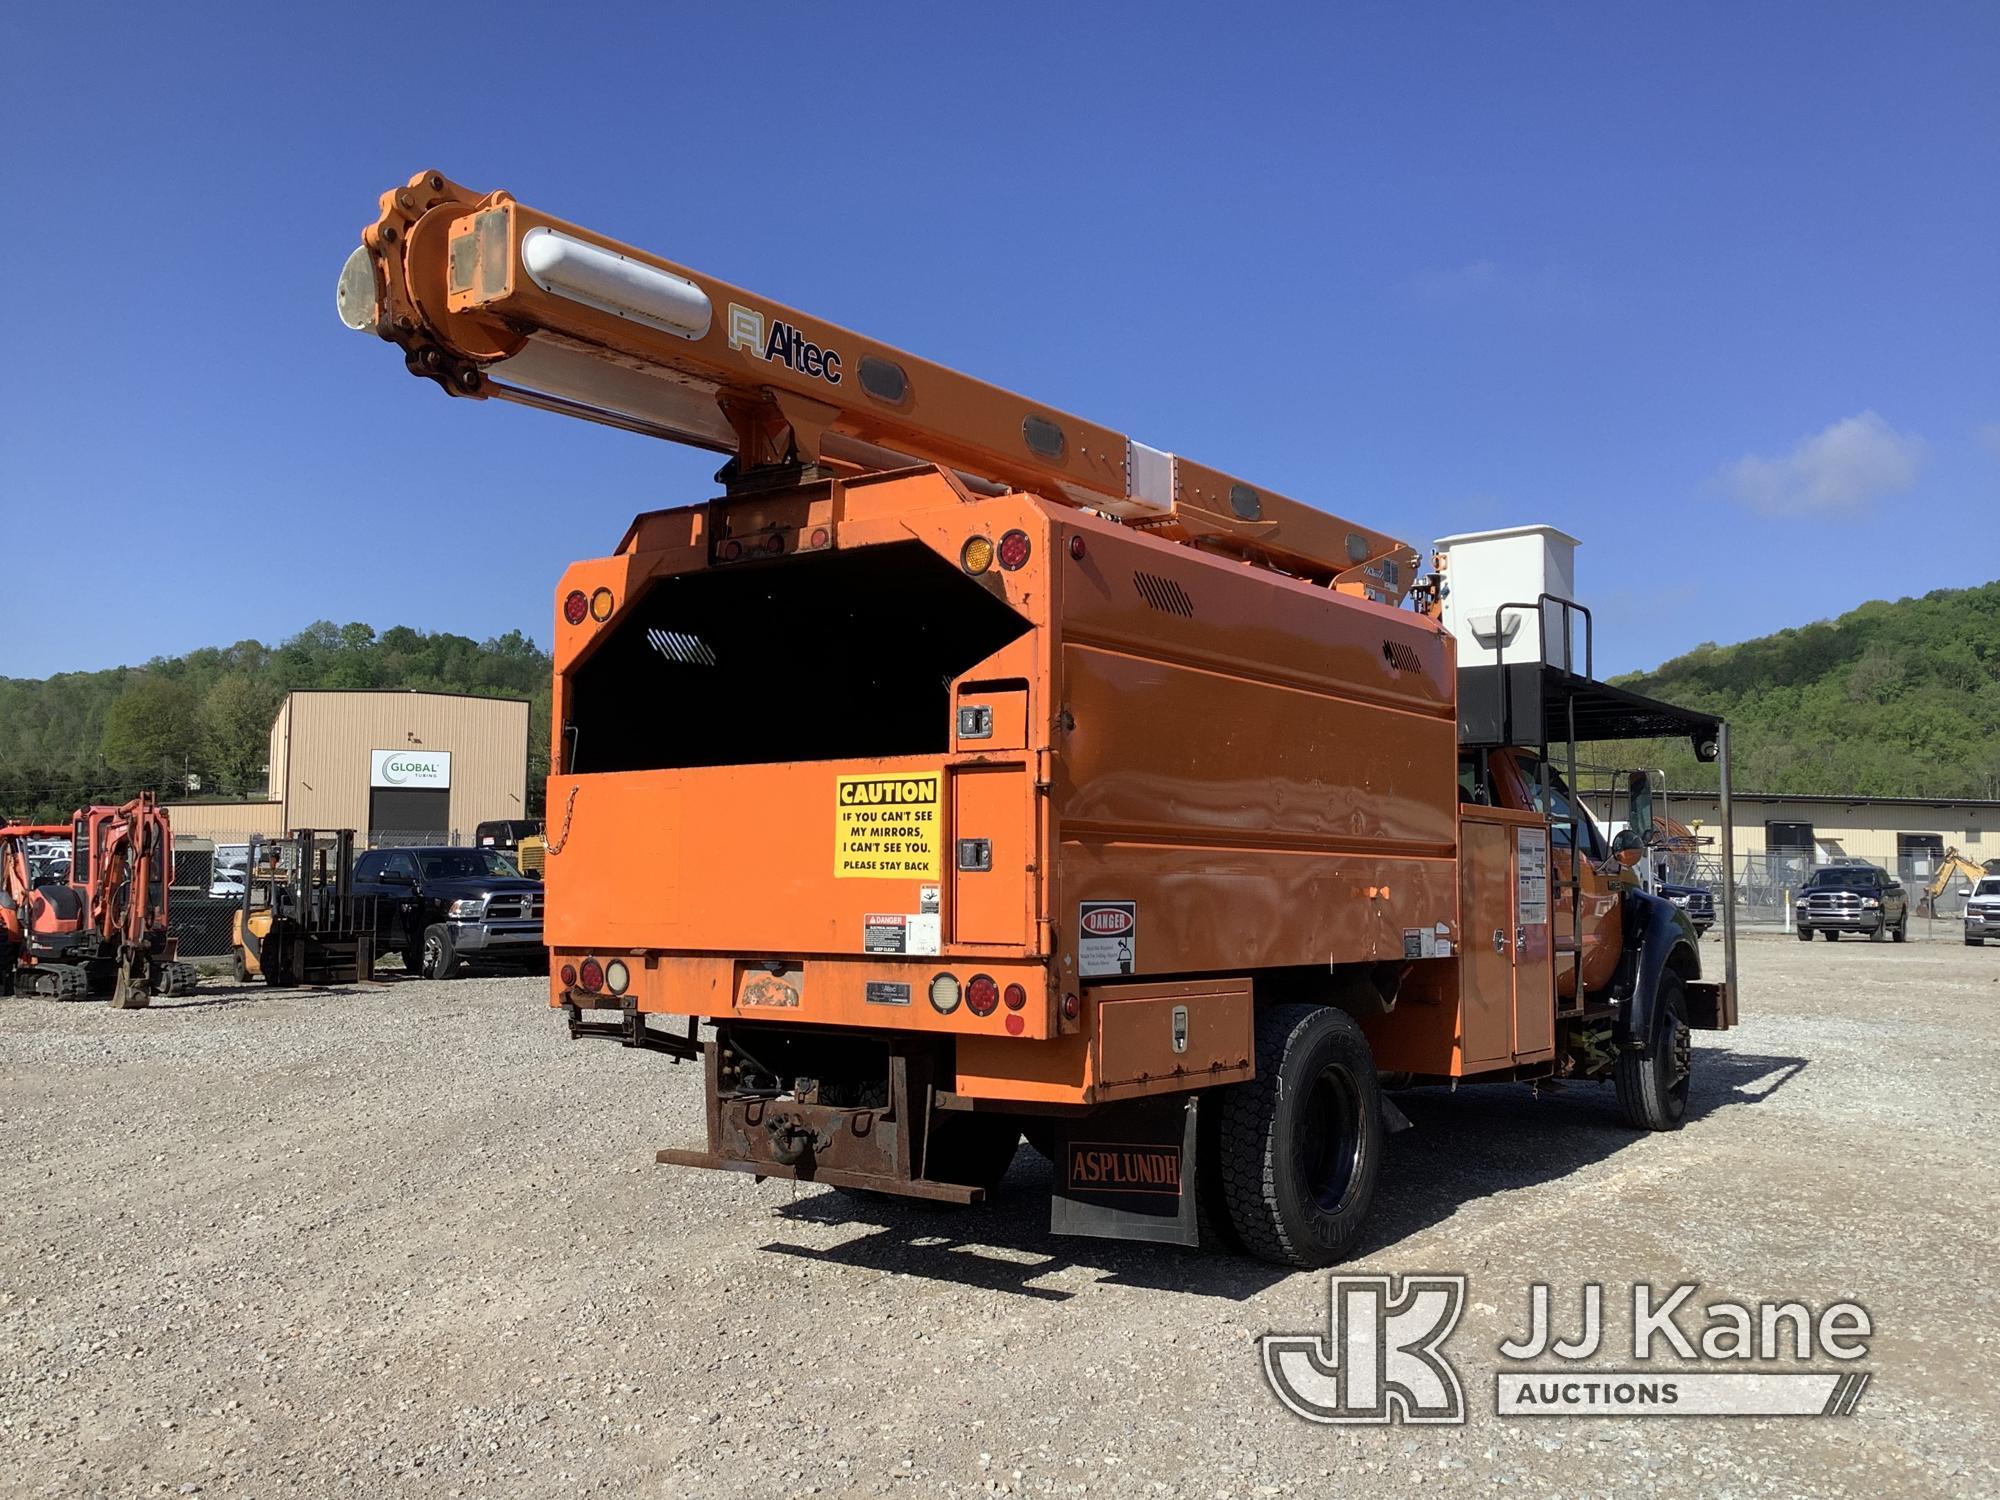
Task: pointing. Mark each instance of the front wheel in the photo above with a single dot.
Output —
(1653, 1083)
(440, 953)
(1805, 934)
(1975, 942)
(1299, 1146)
(1901, 931)
(1832, 936)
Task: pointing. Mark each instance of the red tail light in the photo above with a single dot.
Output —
(576, 607)
(568, 976)
(591, 975)
(1014, 550)
(1015, 996)
(1072, 1007)
(982, 995)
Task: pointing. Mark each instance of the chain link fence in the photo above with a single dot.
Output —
(1769, 880)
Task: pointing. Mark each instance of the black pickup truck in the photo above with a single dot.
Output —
(446, 908)
(1856, 898)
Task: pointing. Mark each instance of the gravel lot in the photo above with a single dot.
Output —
(411, 1241)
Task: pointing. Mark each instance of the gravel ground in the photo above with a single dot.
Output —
(411, 1241)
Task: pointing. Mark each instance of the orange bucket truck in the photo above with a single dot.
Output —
(964, 770)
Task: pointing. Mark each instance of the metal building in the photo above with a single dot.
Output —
(401, 767)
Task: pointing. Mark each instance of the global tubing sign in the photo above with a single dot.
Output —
(410, 768)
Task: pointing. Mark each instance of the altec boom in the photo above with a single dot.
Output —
(976, 770)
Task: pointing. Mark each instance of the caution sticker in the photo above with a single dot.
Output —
(887, 827)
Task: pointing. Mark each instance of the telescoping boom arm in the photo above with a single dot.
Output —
(491, 298)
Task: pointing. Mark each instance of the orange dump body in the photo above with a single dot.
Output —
(808, 762)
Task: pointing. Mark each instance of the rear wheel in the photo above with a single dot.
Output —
(1901, 931)
(1653, 1083)
(240, 966)
(1299, 1146)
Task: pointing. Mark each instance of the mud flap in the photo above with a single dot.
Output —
(1394, 1121)
(1128, 1173)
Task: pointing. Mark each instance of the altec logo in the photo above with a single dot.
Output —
(782, 344)
(1108, 921)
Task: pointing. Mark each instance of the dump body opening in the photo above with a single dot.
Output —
(825, 656)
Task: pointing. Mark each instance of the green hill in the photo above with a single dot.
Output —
(1894, 700)
(201, 722)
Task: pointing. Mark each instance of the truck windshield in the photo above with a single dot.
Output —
(1845, 878)
(466, 864)
(1988, 888)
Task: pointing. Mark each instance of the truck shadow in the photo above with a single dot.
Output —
(1464, 1146)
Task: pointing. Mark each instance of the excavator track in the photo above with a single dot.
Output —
(54, 982)
(178, 979)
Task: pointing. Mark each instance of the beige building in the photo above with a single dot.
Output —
(394, 766)
(1906, 835)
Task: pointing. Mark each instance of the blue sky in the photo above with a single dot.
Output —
(1713, 287)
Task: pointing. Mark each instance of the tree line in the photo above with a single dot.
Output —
(199, 725)
(1894, 699)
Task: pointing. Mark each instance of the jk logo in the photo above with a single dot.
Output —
(1379, 1360)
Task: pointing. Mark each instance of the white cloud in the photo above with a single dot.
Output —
(1989, 437)
(1840, 471)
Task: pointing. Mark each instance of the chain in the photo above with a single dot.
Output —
(569, 807)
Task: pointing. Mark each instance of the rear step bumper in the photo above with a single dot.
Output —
(938, 1192)
(875, 1146)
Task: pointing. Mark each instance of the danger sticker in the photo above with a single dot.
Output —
(1107, 937)
(884, 934)
(886, 827)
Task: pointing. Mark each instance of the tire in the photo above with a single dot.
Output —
(440, 954)
(1901, 931)
(1832, 936)
(1975, 942)
(1653, 1083)
(1880, 934)
(974, 1151)
(1805, 934)
(240, 967)
(1299, 1146)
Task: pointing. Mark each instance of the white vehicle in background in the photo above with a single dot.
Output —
(230, 870)
(1982, 912)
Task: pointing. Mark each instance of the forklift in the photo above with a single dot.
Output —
(299, 922)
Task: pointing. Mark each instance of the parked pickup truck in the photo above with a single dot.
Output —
(1852, 898)
(1696, 900)
(1982, 912)
(445, 908)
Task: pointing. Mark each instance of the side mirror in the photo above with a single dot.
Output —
(1628, 848)
(1640, 787)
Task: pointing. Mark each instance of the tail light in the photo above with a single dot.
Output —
(617, 977)
(590, 974)
(982, 995)
(576, 607)
(820, 536)
(1072, 1008)
(567, 974)
(976, 556)
(944, 993)
(1014, 550)
(730, 550)
(1015, 996)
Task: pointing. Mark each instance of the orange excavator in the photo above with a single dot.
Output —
(102, 933)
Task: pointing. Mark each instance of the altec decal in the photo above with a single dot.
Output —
(782, 344)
